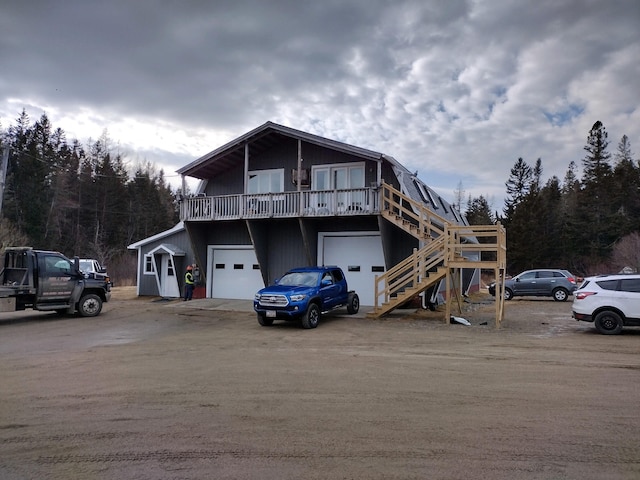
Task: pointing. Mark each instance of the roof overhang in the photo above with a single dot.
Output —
(259, 140)
(168, 248)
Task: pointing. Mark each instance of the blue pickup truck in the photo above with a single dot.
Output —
(305, 294)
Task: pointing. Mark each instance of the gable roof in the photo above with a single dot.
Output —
(169, 248)
(265, 136)
(179, 227)
(262, 138)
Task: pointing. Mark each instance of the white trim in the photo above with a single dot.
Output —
(145, 257)
(172, 250)
(210, 251)
(322, 235)
(179, 227)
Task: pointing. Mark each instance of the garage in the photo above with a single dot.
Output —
(359, 254)
(234, 273)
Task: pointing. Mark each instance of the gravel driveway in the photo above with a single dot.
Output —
(169, 390)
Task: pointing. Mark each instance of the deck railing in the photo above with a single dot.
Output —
(316, 203)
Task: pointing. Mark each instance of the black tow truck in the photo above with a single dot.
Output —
(49, 281)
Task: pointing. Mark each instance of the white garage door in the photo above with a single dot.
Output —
(359, 255)
(234, 273)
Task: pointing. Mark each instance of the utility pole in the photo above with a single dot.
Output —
(3, 173)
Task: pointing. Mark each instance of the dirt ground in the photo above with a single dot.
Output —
(173, 390)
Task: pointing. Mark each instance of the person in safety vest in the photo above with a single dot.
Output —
(189, 284)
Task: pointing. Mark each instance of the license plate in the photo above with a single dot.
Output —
(271, 313)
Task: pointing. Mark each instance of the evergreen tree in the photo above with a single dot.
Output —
(518, 186)
(595, 229)
(517, 220)
(626, 194)
(479, 211)
(29, 178)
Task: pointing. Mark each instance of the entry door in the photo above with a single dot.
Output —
(343, 178)
(169, 286)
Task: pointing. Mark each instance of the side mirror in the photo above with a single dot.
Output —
(326, 281)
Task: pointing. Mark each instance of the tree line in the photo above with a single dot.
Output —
(588, 224)
(84, 201)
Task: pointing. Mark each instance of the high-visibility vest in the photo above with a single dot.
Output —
(188, 278)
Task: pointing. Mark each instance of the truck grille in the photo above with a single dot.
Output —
(273, 301)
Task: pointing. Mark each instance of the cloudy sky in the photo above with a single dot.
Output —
(455, 89)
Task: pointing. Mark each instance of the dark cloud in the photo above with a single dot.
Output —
(456, 89)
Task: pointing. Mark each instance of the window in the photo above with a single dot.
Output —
(338, 177)
(527, 276)
(630, 285)
(57, 265)
(425, 193)
(148, 265)
(266, 181)
(608, 284)
(337, 275)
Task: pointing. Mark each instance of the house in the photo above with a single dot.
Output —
(276, 198)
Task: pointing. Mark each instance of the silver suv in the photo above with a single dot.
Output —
(609, 301)
(544, 282)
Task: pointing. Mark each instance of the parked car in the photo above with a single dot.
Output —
(305, 294)
(91, 268)
(544, 282)
(611, 302)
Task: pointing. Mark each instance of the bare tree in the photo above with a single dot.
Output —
(10, 236)
(626, 252)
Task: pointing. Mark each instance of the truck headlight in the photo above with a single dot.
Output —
(298, 298)
(257, 297)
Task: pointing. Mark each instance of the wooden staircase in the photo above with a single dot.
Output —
(444, 246)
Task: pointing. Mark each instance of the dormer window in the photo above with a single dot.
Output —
(425, 193)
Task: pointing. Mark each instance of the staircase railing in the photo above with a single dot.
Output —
(410, 277)
(412, 216)
(445, 247)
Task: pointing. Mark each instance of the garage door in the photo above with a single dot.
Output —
(234, 273)
(361, 258)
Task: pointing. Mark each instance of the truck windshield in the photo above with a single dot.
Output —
(86, 265)
(307, 279)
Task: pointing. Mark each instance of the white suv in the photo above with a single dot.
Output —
(609, 301)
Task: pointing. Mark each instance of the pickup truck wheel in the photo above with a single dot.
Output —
(311, 317)
(90, 305)
(608, 323)
(264, 321)
(560, 295)
(353, 304)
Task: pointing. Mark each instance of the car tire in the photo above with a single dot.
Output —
(89, 305)
(264, 321)
(560, 295)
(311, 317)
(353, 303)
(608, 323)
(508, 294)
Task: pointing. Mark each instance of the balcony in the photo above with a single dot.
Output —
(317, 203)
